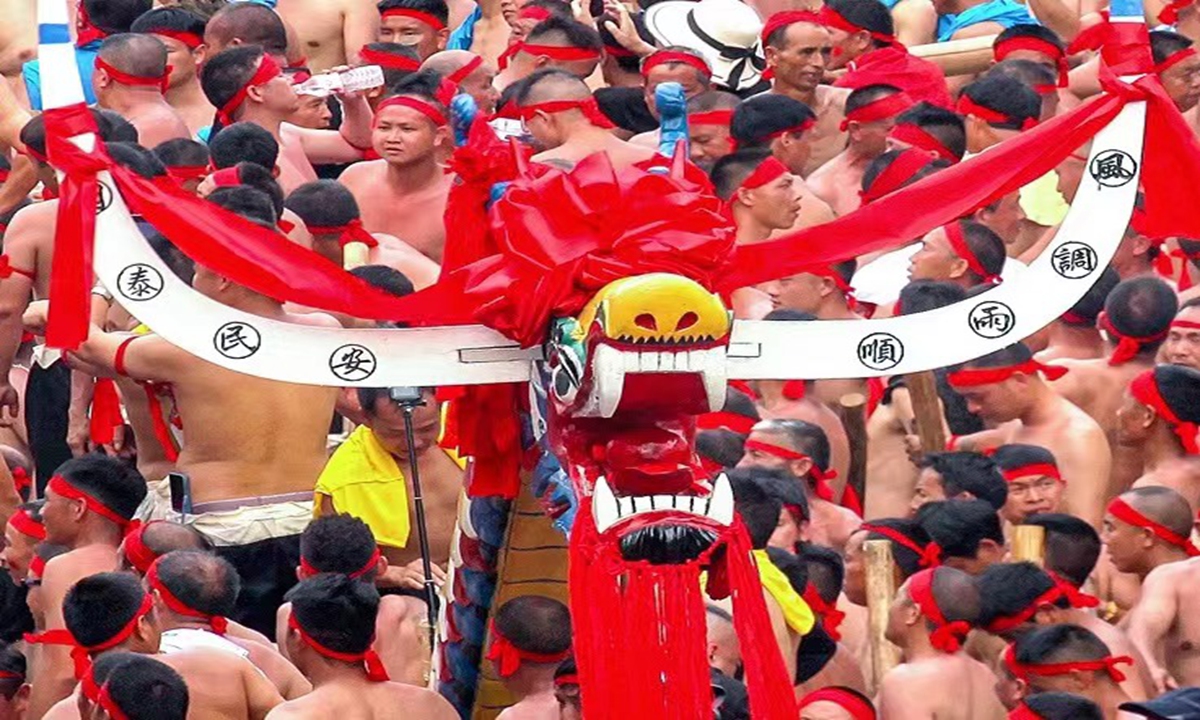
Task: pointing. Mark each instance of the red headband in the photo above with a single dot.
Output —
(428, 18)
(987, 376)
(267, 71)
(60, 486)
(1032, 470)
(662, 57)
(374, 666)
(1002, 49)
(370, 565)
(881, 109)
(80, 654)
(725, 420)
(930, 555)
(568, 679)
(425, 108)
(831, 617)
(183, 173)
(100, 696)
(832, 18)
(508, 657)
(1108, 665)
(24, 523)
(37, 566)
(1126, 513)
(1144, 389)
(532, 12)
(908, 163)
(917, 137)
(767, 172)
(556, 52)
(788, 17)
(847, 289)
(820, 477)
(713, 117)
(86, 32)
(137, 554)
(455, 78)
(352, 231)
(859, 707)
(1062, 589)
(192, 40)
(588, 107)
(1128, 346)
(125, 78)
(1185, 324)
(947, 636)
(1170, 13)
(958, 243)
(392, 61)
(218, 624)
(227, 177)
(967, 106)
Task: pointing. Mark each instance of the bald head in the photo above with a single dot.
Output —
(548, 85)
(723, 651)
(246, 24)
(135, 54)
(448, 61)
(1162, 505)
(956, 594)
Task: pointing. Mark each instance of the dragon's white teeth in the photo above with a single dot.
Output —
(608, 375)
(610, 366)
(716, 378)
(720, 505)
(608, 509)
(604, 505)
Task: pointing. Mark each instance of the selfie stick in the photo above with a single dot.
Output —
(408, 404)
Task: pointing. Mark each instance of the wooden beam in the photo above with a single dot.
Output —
(881, 589)
(927, 410)
(958, 57)
(1029, 544)
(852, 409)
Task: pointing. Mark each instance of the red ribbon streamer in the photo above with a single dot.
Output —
(1128, 346)
(1144, 389)
(947, 636)
(106, 412)
(975, 377)
(1127, 514)
(374, 666)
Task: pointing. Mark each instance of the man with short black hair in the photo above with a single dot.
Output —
(134, 687)
(959, 475)
(1035, 484)
(182, 31)
(760, 192)
(962, 252)
(186, 161)
(931, 128)
(14, 690)
(244, 142)
(997, 108)
(422, 24)
(1182, 346)
(1176, 67)
(1069, 658)
(967, 532)
(558, 43)
(531, 635)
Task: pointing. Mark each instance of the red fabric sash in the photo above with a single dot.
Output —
(930, 555)
(1175, 58)
(831, 617)
(374, 666)
(413, 103)
(218, 624)
(388, 60)
(1108, 665)
(23, 522)
(100, 696)
(352, 231)
(21, 480)
(881, 109)
(958, 243)
(1170, 12)
(1144, 389)
(908, 163)
(975, 377)
(1002, 50)
(136, 553)
(662, 57)
(588, 107)
(947, 636)
(429, 19)
(370, 565)
(1128, 346)
(508, 657)
(125, 78)
(1033, 470)
(820, 477)
(61, 486)
(858, 707)
(1127, 514)
(967, 106)
(106, 412)
(767, 172)
(267, 71)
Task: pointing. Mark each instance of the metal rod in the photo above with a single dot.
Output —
(422, 530)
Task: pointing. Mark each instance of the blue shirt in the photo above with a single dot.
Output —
(464, 35)
(85, 58)
(1006, 13)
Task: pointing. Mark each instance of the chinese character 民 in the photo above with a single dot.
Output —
(232, 340)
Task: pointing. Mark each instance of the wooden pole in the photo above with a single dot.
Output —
(1029, 544)
(881, 589)
(927, 409)
(958, 57)
(853, 412)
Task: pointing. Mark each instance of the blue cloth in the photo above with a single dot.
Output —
(464, 35)
(1004, 12)
(85, 58)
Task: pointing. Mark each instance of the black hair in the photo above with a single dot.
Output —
(1180, 390)
(1085, 312)
(1054, 644)
(1165, 43)
(182, 266)
(260, 178)
(251, 23)
(724, 447)
(906, 559)
(867, 94)
(627, 62)
(387, 279)
(535, 624)
(1063, 706)
(944, 125)
(99, 606)
(110, 126)
(731, 171)
(1008, 589)
(985, 245)
(1142, 307)
(921, 296)
(969, 472)
(251, 203)
(870, 15)
(1017, 455)
(12, 664)
(391, 75)
(808, 438)
(423, 84)
(960, 526)
(1030, 30)
(181, 152)
(336, 611)
(1007, 356)
(137, 158)
(792, 568)
(115, 16)
(788, 314)
(120, 487)
(226, 73)
(758, 498)
(565, 30)
(141, 687)
(826, 570)
(1072, 545)
(243, 142)
(524, 94)
(138, 55)
(171, 18)
(1032, 74)
(760, 117)
(203, 581)
(876, 167)
(338, 544)
(1008, 96)
(437, 8)
(324, 203)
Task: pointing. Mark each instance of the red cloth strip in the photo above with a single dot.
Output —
(840, 282)
(23, 522)
(125, 78)
(37, 566)
(531, 12)
(776, 450)
(558, 52)
(1170, 12)
(227, 177)
(831, 617)
(136, 553)
(1033, 470)
(374, 666)
(588, 107)
(161, 431)
(61, 486)
(7, 269)
(967, 106)
(569, 679)
(975, 377)
(881, 109)
(85, 32)
(455, 78)
(413, 103)
(192, 40)
(1144, 389)
(1009, 622)
(267, 71)
(947, 636)
(1076, 597)
(906, 164)
(183, 173)
(428, 18)
(80, 654)
(1127, 514)
(218, 624)
(788, 17)
(119, 356)
(834, 19)
(1108, 665)
(388, 60)
(101, 697)
(767, 172)
(931, 554)
(106, 412)
(712, 117)
(958, 242)
(508, 657)
(352, 231)
(1002, 50)
(1128, 346)
(663, 57)
(1174, 60)
(370, 565)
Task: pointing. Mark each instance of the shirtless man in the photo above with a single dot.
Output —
(709, 115)
(556, 42)
(276, 448)
(543, 628)
(330, 33)
(962, 252)
(244, 84)
(129, 681)
(959, 475)
(1074, 333)
(182, 32)
(967, 532)
(419, 23)
(332, 216)
(825, 294)
(1037, 658)
(130, 72)
(1182, 346)
(478, 82)
(404, 193)
(88, 505)
(1006, 389)
(1035, 484)
(929, 620)
(761, 196)
(194, 592)
(797, 53)
(22, 533)
(802, 449)
(1158, 409)
(247, 23)
(18, 37)
(330, 627)
(871, 113)
(1162, 624)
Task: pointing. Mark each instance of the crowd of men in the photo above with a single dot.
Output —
(182, 542)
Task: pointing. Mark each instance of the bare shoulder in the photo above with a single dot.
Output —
(360, 172)
(393, 608)
(421, 702)
(829, 96)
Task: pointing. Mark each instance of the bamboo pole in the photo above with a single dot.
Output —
(958, 57)
(927, 410)
(1029, 544)
(852, 411)
(881, 589)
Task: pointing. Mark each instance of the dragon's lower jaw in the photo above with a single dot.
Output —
(663, 529)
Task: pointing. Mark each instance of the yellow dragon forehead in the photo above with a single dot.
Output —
(658, 307)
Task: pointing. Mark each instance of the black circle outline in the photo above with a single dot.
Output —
(374, 362)
(151, 268)
(222, 353)
(1012, 316)
(1105, 153)
(858, 351)
(1070, 243)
